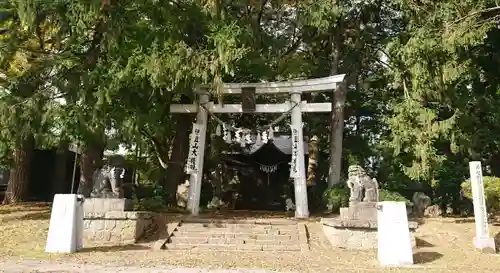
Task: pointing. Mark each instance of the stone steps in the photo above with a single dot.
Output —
(238, 235)
(238, 229)
(270, 232)
(245, 229)
(274, 222)
(233, 247)
(229, 241)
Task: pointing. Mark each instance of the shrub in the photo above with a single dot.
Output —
(446, 185)
(386, 195)
(149, 197)
(336, 197)
(491, 192)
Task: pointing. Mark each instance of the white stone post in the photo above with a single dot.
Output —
(66, 224)
(301, 204)
(482, 241)
(394, 242)
(195, 179)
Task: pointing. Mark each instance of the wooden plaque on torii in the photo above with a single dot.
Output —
(248, 99)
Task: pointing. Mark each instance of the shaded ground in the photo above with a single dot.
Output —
(445, 245)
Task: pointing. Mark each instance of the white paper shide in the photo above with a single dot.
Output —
(294, 163)
(193, 160)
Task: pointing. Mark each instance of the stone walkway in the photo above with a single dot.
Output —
(41, 266)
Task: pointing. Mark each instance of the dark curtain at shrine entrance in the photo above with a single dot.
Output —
(265, 185)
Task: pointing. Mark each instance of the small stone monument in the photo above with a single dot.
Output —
(182, 194)
(482, 241)
(420, 203)
(356, 227)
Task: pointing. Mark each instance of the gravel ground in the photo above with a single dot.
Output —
(445, 245)
(44, 266)
(321, 258)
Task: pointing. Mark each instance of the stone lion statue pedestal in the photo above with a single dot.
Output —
(359, 211)
(108, 217)
(356, 227)
(108, 189)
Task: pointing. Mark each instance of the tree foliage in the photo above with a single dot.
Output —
(419, 98)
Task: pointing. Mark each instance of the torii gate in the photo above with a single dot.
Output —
(295, 89)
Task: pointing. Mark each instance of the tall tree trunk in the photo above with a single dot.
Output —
(91, 159)
(337, 115)
(339, 96)
(92, 153)
(336, 136)
(312, 160)
(180, 148)
(19, 178)
(495, 164)
(60, 167)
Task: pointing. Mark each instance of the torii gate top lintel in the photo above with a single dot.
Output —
(296, 86)
(289, 87)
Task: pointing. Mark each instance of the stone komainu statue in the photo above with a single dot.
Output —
(108, 180)
(361, 184)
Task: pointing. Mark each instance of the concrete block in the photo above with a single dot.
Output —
(66, 224)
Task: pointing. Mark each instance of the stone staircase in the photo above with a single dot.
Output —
(239, 235)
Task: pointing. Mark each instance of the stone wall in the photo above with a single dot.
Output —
(361, 235)
(121, 226)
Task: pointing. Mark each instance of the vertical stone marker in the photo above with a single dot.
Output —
(394, 243)
(66, 224)
(482, 241)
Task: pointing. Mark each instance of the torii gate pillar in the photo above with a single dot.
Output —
(195, 179)
(301, 202)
